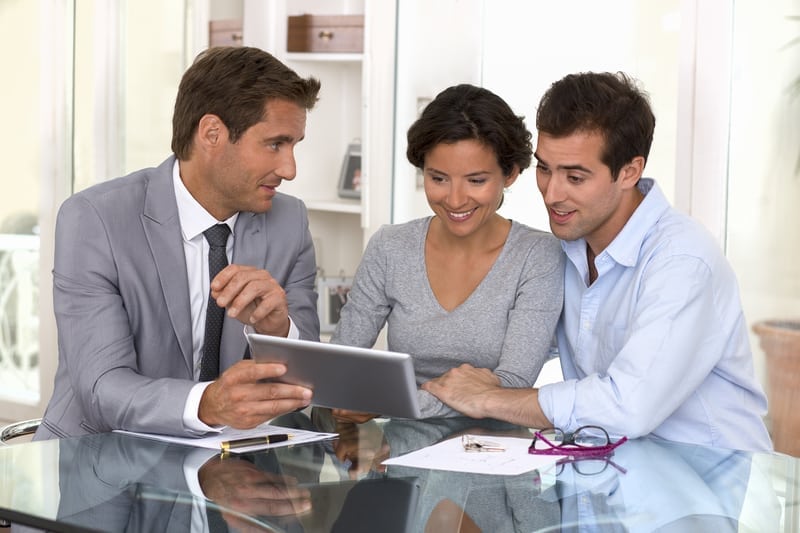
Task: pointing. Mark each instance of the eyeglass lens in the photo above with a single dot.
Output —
(586, 436)
(585, 467)
(590, 436)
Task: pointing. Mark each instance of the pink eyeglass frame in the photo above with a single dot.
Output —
(573, 450)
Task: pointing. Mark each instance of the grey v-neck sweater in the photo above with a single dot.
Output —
(507, 323)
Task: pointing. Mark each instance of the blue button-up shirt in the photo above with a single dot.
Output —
(658, 344)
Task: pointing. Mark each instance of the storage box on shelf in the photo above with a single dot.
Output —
(225, 32)
(325, 33)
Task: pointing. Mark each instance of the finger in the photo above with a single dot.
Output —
(271, 304)
(344, 415)
(226, 275)
(274, 490)
(285, 508)
(256, 413)
(261, 507)
(234, 279)
(247, 371)
(364, 417)
(244, 298)
(283, 391)
(343, 450)
(432, 385)
(255, 398)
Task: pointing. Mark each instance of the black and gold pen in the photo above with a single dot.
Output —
(253, 441)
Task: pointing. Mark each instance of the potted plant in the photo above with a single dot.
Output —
(780, 340)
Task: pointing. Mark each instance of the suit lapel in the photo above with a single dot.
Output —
(162, 228)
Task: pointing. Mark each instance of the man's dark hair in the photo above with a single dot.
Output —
(234, 83)
(607, 103)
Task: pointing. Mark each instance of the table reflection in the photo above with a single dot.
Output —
(655, 485)
(645, 485)
(123, 483)
(115, 482)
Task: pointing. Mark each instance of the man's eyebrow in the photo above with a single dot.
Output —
(282, 138)
(577, 167)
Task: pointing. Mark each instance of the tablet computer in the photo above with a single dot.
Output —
(344, 377)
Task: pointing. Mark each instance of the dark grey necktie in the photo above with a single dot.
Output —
(217, 237)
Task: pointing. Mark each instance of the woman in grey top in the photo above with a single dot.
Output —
(464, 285)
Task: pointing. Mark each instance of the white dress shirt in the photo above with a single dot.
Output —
(194, 220)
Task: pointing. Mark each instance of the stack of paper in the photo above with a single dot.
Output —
(451, 455)
(227, 435)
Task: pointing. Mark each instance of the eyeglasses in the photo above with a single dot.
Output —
(588, 466)
(586, 441)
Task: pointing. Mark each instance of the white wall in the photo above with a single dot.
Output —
(763, 222)
(517, 49)
(529, 45)
(438, 44)
(727, 136)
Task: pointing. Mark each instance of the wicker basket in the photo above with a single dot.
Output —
(780, 340)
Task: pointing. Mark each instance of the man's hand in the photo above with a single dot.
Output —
(362, 447)
(253, 297)
(238, 399)
(464, 388)
(477, 393)
(239, 486)
(356, 417)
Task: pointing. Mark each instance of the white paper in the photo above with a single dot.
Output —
(450, 455)
(214, 441)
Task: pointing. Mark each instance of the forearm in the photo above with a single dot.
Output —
(518, 406)
(477, 392)
(432, 407)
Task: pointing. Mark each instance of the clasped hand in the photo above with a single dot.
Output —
(253, 297)
(462, 388)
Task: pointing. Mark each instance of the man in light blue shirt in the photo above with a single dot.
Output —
(652, 338)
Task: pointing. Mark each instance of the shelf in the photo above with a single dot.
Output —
(335, 206)
(330, 57)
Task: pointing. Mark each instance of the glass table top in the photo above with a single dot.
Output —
(116, 482)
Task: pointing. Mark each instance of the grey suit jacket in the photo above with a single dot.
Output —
(121, 298)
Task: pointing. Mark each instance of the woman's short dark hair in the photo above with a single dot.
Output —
(466, 112)
(234, 83)
(608, 103)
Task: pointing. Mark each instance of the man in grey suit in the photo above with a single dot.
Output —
(131, 275)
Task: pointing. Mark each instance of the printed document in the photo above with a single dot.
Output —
(215, 440)
(451, 455)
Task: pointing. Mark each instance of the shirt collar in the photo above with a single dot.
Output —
(625, 247)
(193, 216)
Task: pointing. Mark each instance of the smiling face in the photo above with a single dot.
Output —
(464, 185)
(582, 198)
(244, 175)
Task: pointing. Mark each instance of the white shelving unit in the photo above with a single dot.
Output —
(325, 58)
(355, 106)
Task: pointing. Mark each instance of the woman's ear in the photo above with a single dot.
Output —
(512, 177)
